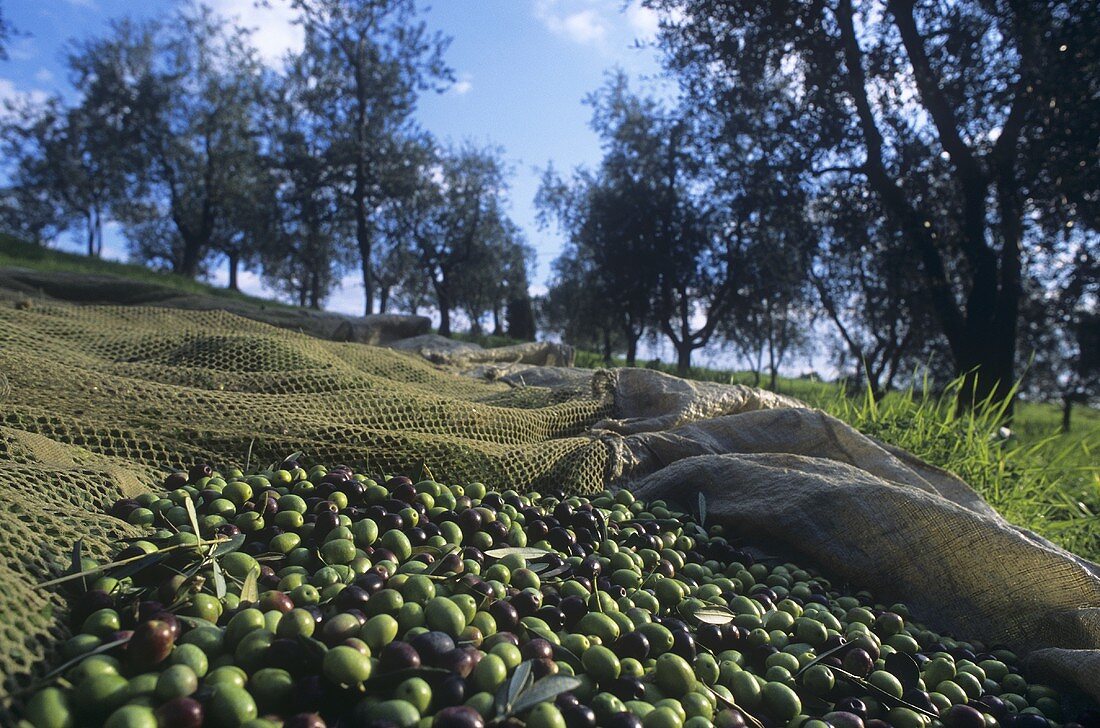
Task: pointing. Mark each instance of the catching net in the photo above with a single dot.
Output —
(97, 402)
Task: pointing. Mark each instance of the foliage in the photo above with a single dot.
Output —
(366, 62)
(968, 169)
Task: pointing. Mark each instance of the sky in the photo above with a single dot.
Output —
(522, 68)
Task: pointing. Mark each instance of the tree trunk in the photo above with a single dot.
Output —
(234, 261)
(383, 298)
(444, 314)
(1067, 411)
(498, 327)
(191, 258)
(89, 220)
(607, 347)
(683, 359)
(363, 239)
(774, 378)
(631, 349)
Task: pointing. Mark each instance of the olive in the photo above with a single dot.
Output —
(536, 649)
(398, 656)
(683, 644)
(506, 616)
(150, 644)
(458, 661)
(180, 713)
(623, 720)
(458, 716)
(633, 645)
(578, 716)
(858, 662)
(431, 646)
(304, 720)
(963, 716)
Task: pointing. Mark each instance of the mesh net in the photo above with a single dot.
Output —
(97, 402)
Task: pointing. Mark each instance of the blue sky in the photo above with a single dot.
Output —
(523, 68)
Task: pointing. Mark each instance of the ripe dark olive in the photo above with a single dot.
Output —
(683, 644)
(450, 691)
(709, 635)
(964, 716)
(536, 649)
(197, 472)
(552, 616)
(852, 705)
(180, 713)
(634, 645)
(564, 700)
(544, 666)
(304, 720)
(526, 603)
(578, 716)
(495, 639)
(431, 646)
(150, 644)
(458, 716)
(352, 597)
(993, 705)
(505, 614)
(469, 521)
(398, 655)
(370, 582)
(626, 688)
(858, 662)
(458, 661)
(623, 720)
(572, 609)
(537, 530)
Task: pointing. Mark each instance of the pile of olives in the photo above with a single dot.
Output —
(312, 598)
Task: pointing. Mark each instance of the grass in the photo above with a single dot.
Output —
(1040, 478)
(15, 253)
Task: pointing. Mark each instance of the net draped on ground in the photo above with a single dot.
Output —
(97, 402)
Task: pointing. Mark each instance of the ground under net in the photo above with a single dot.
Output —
(98, 402)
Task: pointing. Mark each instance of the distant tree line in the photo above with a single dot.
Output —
(204, 156)
(922, 179)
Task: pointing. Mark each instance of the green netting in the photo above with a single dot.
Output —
(97, 402)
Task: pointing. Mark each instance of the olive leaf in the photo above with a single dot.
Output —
(229, 546)
(751, 719)
(521, 680)
(714, 615)
(295, 456)
(248, 455)
(543, 691)
(904, 668)
(566, 655)
(106, 646)
(553, 572)
(192, 515)
(881, 694)
(527, 552)
(219, 580)
(702, 510)
(249, 589)
(822, 656)
(142, 563)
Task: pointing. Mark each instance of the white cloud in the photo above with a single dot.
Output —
(43, 75)
(464, 84)
(583, 25)
(9, 93)
(274, 30)
(644, 21)
(90, 4)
